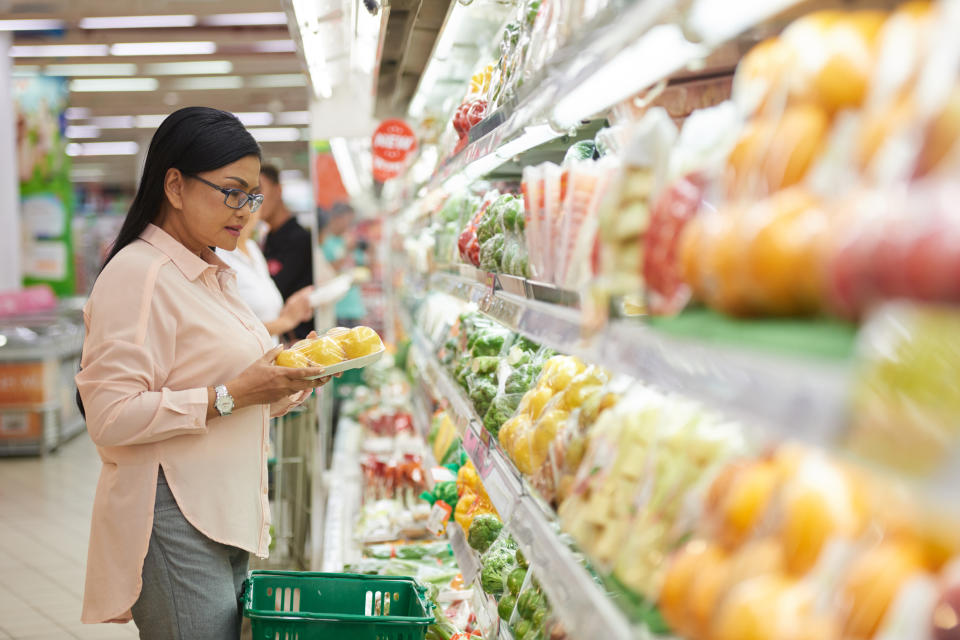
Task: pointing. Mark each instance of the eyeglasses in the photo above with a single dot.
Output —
(234, 198)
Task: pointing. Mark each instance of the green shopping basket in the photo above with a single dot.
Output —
(300, 605)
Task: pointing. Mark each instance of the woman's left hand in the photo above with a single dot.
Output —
(282, 407)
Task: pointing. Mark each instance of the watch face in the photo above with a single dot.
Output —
(224, 405)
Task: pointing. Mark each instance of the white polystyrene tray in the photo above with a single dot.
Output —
(346, 365)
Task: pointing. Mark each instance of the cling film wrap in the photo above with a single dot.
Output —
(516, 372)
(532, 188)
(335, 346)
(588, 183)
(554, 192)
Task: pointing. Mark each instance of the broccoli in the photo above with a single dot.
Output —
(522, 378)
(496, 567)
(481, 390)
(501, 409)
(512, 213)
(484, 531)
(489, 343)
(484, 364)
(504, 543)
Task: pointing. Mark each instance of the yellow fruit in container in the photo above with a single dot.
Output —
(682, 573)
(816, 505)
(511, 429)
(746, 502)
(708, 589)
(873, 581)
(534, 401)
(293, 358)
(563, 373)
(523, 453)
(359, 342)
(325, 351)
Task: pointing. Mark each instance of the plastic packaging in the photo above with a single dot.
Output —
(336, 347)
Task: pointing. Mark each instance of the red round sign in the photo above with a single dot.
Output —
(393, 142)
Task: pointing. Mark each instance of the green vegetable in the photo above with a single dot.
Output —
(511, 212)
(484, 531)
(529, 601)
(491, 253)
(484, 364)
(504, 544)
(521, 559)
(489, 342)
(500, 410)
(506, 605)
(446, 491)
(521, 629)
(493, 575)
(582, 150)
(482, 390)
(515, 580)
(539, 618)
(522, 378)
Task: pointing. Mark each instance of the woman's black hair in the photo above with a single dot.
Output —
(193, 140)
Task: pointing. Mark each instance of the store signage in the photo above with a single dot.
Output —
(393, 144)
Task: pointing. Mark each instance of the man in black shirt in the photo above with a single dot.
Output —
(288, 248)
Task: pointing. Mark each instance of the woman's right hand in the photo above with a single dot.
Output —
(263, 382)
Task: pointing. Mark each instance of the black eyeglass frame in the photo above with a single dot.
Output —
(256, 199)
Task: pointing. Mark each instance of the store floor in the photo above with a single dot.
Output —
(45, 506)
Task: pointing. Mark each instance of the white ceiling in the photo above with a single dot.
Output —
(260, 74)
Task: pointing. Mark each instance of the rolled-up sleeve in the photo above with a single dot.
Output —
(125, 352)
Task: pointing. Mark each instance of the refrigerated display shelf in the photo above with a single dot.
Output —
(796, 397)
(580, 601)
(604, 64)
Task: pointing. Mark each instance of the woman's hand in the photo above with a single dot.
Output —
(283, 406)
(263, 382)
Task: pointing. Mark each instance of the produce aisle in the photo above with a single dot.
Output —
(673, 296)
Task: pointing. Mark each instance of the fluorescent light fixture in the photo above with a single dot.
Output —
(112, 122)
(77, 113)
(275, 134)
(273, 46)
(245, 19)
(314, 48)
(31, 25)
(207, 82)
(75, 131)
(660, 52)
(277, 80)
(199, 67)
(102, 148)
(113, 84)
(138, 22)
(345, 166)
(163, 48)
(107, 69)
(59, 50)
(149, 121)
(448, 37)
(255, 118)
(293, 117)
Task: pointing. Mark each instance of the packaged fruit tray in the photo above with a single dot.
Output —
(338, 350)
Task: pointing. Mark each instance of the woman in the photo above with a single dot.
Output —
(178, 386)
(257, 288)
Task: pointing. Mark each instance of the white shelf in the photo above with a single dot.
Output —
(803, 398)
(576, 597)
(619, 53)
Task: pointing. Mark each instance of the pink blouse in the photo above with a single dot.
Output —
(162, 325)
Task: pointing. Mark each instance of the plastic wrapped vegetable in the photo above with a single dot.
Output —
(495, 570)
(583, 150)
(482, 391)
(491, 253)
(484, 531)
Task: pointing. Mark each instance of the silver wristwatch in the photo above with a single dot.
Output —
(224, 403)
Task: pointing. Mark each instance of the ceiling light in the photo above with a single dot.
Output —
(199, 67)
(275, 134)
(149, 121)
(76, 113)
(245, 19)
(102, 148)
(163, 48)
(31, 25)
(116, 69)
(82, 131)
(207, 82)
(113, 84)
(113, 122)
(345, 166)
(314, 47)
(255, 118)
(293, 117)
(277, 80)
(58, 50)
(138, 22)
(274, 46)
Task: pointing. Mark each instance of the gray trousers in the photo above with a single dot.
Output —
(191, 584)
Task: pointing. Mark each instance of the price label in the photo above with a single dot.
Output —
(478, 450)
(437, 520)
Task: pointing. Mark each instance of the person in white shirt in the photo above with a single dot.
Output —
(257, 288)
